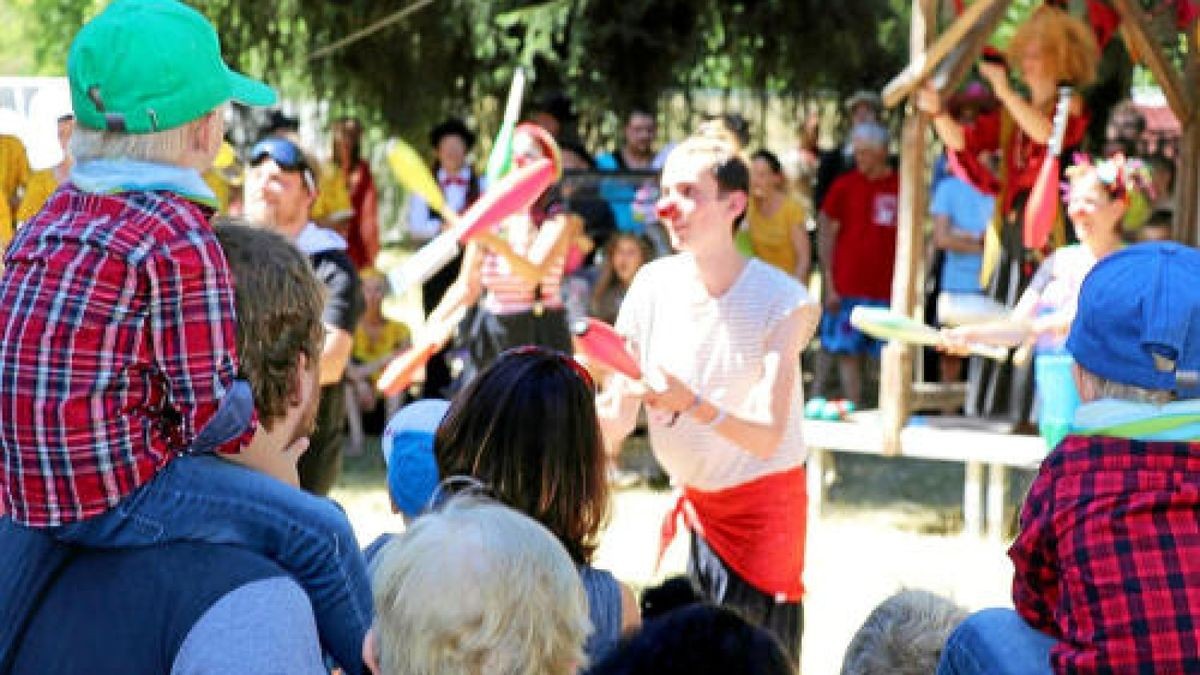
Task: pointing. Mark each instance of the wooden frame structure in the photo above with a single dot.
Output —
(946, 61)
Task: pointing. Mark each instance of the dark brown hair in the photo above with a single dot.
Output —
(608, 273)
(279, 302)
(526, 427)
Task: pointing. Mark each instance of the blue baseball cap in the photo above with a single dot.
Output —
(412, 472)
(1138, 319)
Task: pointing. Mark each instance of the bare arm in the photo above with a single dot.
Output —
(827, 233)
(947, 238)
(465, 290)
(1033, 122)
(757, 432)
(551, 242)
(335, 354)
(617, 408)
(929, 101)
(1009, 332)
(803, 251)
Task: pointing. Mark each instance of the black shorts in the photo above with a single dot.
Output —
(722, 586)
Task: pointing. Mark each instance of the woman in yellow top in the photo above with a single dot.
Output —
(377, 340)
(776, 219)
(44, 182)
(14, 175)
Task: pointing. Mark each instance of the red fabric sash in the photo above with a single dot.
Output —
(757, 528)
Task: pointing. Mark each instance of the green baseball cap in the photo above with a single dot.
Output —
(143, 66)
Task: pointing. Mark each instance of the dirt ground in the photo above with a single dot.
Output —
(888, 524)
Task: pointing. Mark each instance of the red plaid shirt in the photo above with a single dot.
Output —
(117, 341)
(1108, 559)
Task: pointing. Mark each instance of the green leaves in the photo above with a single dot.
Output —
(457, 56)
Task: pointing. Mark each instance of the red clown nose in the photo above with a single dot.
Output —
(666, 210)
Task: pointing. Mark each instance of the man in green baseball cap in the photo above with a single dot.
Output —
(118, 334)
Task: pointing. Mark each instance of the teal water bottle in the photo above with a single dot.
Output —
(1056, 394)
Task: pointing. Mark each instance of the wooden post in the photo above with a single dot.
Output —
(997, 494)
(973, 499)
(1186, 227)
(1136, 33)
(895, 380)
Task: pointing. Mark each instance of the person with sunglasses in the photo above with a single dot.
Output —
(281, 186)
(725, 332)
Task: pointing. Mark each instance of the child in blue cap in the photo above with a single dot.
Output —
(1107, 564)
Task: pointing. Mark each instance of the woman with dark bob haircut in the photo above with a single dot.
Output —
(526, 428)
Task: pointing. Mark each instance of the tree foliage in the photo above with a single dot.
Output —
(457, 56)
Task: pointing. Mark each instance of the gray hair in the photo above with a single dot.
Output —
(164, 147)
(904, 635)
(478, 588)
(1106, 388)
(870, 132)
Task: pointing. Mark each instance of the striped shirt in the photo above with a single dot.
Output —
(510, 293)
(717, 347)
(117, 342)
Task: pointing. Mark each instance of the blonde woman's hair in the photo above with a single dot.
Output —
(477, 588)
(1067, 44)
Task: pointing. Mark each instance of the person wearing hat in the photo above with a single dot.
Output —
(119, 354)
(203, 607)
(1107, 563)
(863, 107)
(856, 239)
(1050, 48)
(461, 185)
(512, 278)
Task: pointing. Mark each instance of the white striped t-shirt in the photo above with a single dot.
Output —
(717, 347)
(509, 292)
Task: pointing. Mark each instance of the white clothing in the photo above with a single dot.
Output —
(717, 347)
(423, 222)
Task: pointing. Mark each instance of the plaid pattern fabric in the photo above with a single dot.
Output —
(1108, 559)
(117, 341)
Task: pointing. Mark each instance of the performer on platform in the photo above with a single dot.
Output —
(1052, 47)
(726, 333)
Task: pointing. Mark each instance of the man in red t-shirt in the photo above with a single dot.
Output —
(857, 241)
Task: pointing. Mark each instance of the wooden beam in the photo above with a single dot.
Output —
(896, 374)
(958, 63)
(1186, 227)
(1135, 30)
(922, 62)
(938, 395)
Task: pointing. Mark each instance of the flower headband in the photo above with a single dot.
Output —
(1118, 175)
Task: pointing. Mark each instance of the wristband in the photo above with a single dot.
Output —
(717, 419)
(696, 401)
